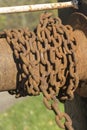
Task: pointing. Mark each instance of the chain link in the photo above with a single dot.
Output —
(46, 63)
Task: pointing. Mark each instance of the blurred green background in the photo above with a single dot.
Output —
(21, 19)
(30, 112)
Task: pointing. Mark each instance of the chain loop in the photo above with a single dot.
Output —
(46, 63)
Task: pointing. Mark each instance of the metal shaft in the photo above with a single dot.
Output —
(8, 69)
(37, 7)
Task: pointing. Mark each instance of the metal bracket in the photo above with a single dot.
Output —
(75, 3)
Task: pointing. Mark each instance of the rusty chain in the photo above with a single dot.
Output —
(46, 63)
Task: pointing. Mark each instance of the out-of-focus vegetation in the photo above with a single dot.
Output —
(29, 114)
(21, 19)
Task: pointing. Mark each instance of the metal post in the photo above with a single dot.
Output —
(37, 7)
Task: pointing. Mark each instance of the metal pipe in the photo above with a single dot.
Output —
(81, 55)
(8, 70)
(37, 7)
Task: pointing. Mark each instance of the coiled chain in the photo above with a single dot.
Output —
(46, 63)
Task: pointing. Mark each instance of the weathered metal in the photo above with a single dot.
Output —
(37, 7)
(8, 70)
(47, 61)
(79, 104)
(79, 23)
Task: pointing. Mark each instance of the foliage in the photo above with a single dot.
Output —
(28, 114)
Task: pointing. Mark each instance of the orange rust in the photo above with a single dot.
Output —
(8, 70)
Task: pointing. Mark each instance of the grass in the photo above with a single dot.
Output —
(28, 114)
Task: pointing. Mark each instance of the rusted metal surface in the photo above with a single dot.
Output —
(78, 106)
(38, 7)
(82, 65)
(8, 70)
(79, 103)
(79, 23)
(47, 61)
